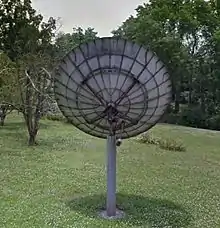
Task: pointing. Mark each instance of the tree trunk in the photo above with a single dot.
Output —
(2, 120)
(190, 90)
(3, 111)
(32, 139)
(177, 102)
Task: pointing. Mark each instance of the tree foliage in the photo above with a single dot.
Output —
(22, 30)
(8, 87)
(8, 92)
(65, 42)
(186, 36)
(27, 41)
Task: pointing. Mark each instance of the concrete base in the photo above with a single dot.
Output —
(119, 215)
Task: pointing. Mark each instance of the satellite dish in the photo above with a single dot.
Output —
(114, 89)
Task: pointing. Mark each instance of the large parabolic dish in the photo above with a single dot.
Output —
(112, 86)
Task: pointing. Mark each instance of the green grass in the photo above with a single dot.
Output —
(61, 182)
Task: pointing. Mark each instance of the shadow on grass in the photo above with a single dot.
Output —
(139, 210)
(19, 125)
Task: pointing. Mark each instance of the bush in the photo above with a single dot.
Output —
(193, 116)
(55, 117)
(213, 122)
(147, 138)
(166, 144)
(189, 116)
(172, 145)
(172, 118)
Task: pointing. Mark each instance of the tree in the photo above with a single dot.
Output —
(34, 87)
(65, 42)
(27, 41)
(151, 30)
(186, 36)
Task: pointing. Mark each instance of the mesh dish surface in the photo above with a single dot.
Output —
(112, 86)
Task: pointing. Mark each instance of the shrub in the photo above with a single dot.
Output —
(189, 116)
(55, 117)
(147, 138)
(213, 122)
(193, 116)
(166, 144)
(172, 118)
(172, 145)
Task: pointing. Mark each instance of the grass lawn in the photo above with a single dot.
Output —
(61, 182)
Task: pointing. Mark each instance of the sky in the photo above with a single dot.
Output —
(103, 15)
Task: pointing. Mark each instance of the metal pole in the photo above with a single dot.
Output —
(111, 176)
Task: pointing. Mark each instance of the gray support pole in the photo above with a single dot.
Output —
(111, 176)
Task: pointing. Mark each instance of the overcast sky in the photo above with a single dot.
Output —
(103, 15)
